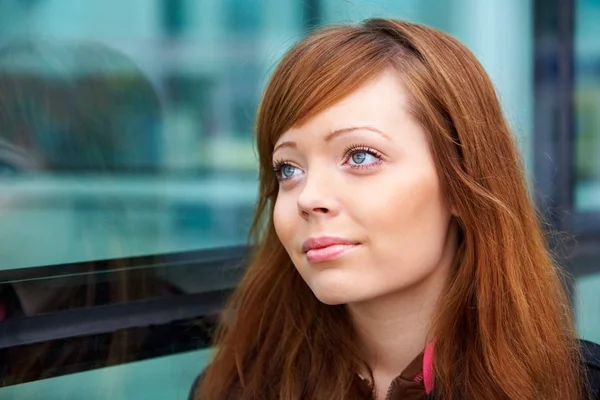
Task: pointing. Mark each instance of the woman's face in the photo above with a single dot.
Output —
(360, 209)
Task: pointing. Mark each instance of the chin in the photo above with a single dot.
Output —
(333, 296)
(337, 286)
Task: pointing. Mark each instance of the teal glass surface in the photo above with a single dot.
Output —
(126, 130)
(587, 106)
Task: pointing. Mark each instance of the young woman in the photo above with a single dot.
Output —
(398, 253)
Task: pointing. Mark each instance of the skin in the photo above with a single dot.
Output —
(383, 194)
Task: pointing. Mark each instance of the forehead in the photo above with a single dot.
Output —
(380, 102)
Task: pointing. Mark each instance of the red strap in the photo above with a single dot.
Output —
(428, 367)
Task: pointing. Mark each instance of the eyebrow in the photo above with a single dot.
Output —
(333, 134)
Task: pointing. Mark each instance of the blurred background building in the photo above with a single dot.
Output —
(126, 145)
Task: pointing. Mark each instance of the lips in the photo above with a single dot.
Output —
(327, 248)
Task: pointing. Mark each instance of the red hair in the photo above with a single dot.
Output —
(504, 330)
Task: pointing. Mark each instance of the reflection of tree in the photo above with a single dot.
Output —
(73, 108)
(81, 107)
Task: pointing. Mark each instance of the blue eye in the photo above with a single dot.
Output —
(285, 171)
(363, 157)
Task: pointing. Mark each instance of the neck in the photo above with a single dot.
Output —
(394, 329)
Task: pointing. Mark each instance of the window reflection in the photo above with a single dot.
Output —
(83, 160)
(137, 142)
(73, 115)
(587, 106)
(75, 110)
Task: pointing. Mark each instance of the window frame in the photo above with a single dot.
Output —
(554, 137)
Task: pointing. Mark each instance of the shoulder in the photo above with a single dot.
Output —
(591, 359)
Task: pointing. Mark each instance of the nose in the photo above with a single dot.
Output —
(318, 196)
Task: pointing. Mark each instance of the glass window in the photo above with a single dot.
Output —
(129, 181)
(156, 379)
(586, 306)
(587, 162)
(120, 139)
(129, 174)
(587, 106)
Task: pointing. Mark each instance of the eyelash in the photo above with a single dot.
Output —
(277, 166)
(348, 151)
(355, 148)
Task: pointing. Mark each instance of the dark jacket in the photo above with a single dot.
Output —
(591, 355)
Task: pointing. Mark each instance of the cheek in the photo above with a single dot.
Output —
(283, 221)
(414, 220)
(427, 210)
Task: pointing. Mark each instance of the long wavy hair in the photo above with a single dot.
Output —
(504, 329)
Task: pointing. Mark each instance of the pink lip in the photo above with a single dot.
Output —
(326, 248)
